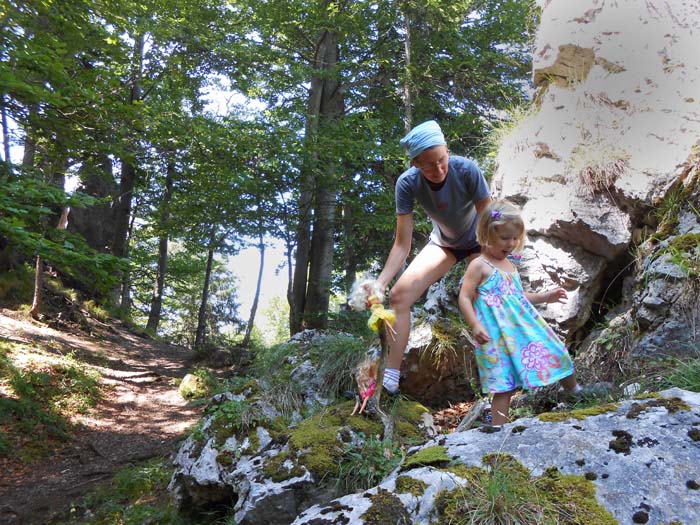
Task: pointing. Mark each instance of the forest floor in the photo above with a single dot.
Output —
(140, 415)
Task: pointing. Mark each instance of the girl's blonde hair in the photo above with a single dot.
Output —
(499, 213)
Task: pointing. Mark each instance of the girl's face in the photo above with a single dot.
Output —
(504, 240)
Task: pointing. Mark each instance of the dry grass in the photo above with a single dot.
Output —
(597, 165)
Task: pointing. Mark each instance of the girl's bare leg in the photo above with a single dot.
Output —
(500, 405)
(569, 383)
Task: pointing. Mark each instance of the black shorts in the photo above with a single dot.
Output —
(459, 253)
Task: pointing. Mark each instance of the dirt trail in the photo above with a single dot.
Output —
(141, 416)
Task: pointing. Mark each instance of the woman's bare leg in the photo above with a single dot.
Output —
(428, 266)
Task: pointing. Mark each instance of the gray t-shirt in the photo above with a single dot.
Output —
(451, 208)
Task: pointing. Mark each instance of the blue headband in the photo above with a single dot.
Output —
(422, 137)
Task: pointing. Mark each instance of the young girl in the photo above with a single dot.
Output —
(515, 346)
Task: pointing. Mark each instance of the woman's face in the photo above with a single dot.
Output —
(433, 163)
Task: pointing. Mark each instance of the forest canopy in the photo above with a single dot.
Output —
(119, 96)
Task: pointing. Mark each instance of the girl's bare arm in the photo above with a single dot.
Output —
(472, 279)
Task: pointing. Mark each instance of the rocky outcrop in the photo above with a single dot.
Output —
(612, 132)
(631, 462)
(661, 315)
(275, 448)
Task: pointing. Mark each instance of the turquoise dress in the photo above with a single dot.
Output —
(523, 350)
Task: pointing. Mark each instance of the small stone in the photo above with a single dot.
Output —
(640, 517)
(692, 484)
(580, 462)
(591, 476)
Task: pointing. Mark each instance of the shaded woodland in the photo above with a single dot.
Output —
(122, 97)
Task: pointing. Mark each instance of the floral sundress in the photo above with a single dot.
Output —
(523, 351)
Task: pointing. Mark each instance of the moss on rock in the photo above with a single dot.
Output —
(407, 484)
(430, 456)
(505, 492)
(386, 508)
(580, 414)
(673, 405)
(281, 468)
(319, 444)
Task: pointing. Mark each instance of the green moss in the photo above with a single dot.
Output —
(315, 440)
(411, 411)
(386, 508)
(685, 252)
(622, 443)
(694, 434)
(254, 440)
(408, 431)
(407, 484)
(647, 395)
(467, 472)
(505, 492)
(279, 468)
(673, 405)
(224, 458)
(193, 387)
(580, 414)
(435, 455)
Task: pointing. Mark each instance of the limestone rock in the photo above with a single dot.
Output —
(639, 455)
(613, 130)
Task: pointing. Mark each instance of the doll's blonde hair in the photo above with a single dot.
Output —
(499, 213)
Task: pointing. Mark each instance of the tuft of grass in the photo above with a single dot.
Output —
(685, 374)
(504, 493)
(502, 130)
(597, 165)
(365, 463)
(337, 356)
(442, 350)
(286, 397)
(96, 311)
(137, 494)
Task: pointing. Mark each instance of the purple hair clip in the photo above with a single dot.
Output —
(495, 214)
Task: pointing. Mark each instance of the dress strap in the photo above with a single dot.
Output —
(487, 262)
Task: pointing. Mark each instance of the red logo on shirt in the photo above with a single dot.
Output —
(442, 205)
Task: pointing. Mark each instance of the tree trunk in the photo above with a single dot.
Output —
(95, 223)
(329, 110)
(202, 317)
(350, 262)
(6, 173)
(122, 205)
(324, 106)
(38, 285)
(301, 267)
(125, 301)
(321, 264)
(254, 307)
(157, 297)
(407, 103)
